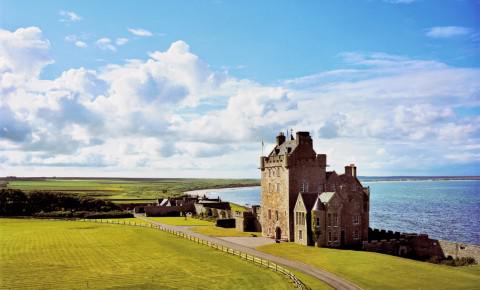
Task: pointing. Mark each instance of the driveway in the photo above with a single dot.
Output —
(329, 278)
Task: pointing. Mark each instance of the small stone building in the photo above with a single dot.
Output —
(304, 203)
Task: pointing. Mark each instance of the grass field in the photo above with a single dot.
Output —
(38, 254)
(223, 232)
(203, 227)
(377, 271)
(127, 190)
(181, 221)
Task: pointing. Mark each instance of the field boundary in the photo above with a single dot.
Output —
(242, 255)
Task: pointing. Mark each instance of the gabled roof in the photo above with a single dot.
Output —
(326, 196)
(308, 199)
(318, 204)
(285, 148)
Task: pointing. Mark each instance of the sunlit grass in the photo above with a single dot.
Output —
(40, 254)
(378, 271)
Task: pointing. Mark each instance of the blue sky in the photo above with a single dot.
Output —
(189, 88)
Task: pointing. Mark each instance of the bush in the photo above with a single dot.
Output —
(14, 202)
(84, 214)
(450, 261)
(225, 223)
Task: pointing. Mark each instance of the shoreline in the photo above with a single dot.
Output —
(198, 192)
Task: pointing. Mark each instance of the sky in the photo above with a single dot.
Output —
(191, 88)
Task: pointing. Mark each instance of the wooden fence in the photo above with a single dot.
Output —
(247, 257)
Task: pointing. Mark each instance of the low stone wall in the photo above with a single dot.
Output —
(418, 246)
(460, 250)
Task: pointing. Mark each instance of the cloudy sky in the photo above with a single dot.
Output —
(190, 88)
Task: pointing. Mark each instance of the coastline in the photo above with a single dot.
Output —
(198, 192)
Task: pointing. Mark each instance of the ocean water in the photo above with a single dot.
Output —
(443, 209)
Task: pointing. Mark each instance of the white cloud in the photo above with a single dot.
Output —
(80, 44)
(140, 32)
(448, 31)
(121, 41)
(23, 52)
(171, 114)
(69, 16)
(76, 40)
(105, 44)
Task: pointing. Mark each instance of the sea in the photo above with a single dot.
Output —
(443, 209)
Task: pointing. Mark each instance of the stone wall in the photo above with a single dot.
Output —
(460, 250)
(418, 246)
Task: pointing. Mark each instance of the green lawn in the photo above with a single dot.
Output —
(181, 221)
(127, 221)
(215, 231)
(377, 271)
(39, 254)
(127, 190)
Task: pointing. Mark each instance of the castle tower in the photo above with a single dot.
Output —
(291, 167)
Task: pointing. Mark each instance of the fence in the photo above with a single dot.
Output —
(251, 258)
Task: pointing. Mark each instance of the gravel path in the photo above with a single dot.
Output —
(329, 278)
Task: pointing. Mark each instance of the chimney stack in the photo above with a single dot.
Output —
(351, 170)
(280, 138)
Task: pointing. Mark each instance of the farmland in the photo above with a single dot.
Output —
(125, 190)
(38, 254)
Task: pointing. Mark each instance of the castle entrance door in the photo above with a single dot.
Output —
(278, 233)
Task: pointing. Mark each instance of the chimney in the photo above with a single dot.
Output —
(351, 170)
(304, 138)
(280, 138)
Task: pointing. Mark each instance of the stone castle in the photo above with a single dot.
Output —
(302, 202)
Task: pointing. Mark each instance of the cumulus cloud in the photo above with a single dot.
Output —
(106, 44)
(447, 31)
(23, 52)
(140, 32)
(172, 114)
(69, 16)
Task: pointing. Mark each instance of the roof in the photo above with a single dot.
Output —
(318, 205)
(285, 148)
(326, 196)
(309, 199)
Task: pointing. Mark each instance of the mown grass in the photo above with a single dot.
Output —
(39, 254)
(127, 190)
(378, 271)
(123, 221)
(181, 221)
(215, 231)
(236, 207)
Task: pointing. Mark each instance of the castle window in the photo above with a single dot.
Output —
(356, 235)
(278, 187)
(329, 220)
(278, 172)
(318, 221)
(276, 215)
(335, 219)
(329, 236)
(300, 234)
(356, 219)
(269, 214)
